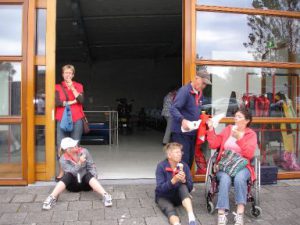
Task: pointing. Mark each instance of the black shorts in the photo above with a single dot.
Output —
(72, 184)
(167, 205)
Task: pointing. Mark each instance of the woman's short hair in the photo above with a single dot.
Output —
(68, 66)
(172, 145)
(247, 114)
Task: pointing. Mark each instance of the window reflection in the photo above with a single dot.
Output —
(10, 151)
(11, 30)
(40, 144)
(224, 36)
(39, 101)
(273, 4)
(279, 145)
(265, 92)
(10, 88)
(41, 32)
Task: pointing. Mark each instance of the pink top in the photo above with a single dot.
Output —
(231, 144)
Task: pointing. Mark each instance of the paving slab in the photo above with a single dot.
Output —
(134, 204)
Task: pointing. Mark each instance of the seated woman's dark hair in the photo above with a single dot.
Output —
(247, 114)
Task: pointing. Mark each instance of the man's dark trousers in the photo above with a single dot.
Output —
(188, 142)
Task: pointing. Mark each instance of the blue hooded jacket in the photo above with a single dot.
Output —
(164, 187)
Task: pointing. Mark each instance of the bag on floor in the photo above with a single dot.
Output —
(66, 123)
(232, 163)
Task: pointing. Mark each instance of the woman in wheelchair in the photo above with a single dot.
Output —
(240, 141)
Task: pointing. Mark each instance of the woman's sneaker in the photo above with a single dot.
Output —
(222, 219)
(239, 219)
(49, 202)
(107, 200)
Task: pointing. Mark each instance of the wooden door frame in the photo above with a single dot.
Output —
(19, 120)
(190, 62)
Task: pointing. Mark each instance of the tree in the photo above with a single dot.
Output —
(270, 34)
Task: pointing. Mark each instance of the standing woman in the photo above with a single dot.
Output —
(68, 92)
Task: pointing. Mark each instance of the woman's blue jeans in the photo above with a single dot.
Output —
(240, 188)
(75, 134)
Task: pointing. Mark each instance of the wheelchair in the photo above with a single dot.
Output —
(211, 186)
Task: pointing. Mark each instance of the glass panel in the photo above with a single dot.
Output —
(225, 36)
(266, 92)
(40, 90)
(273, 4)
(10, 88)
(279, 145)
(11, 30)
(41, 32)
(10, 151)
(40, 154)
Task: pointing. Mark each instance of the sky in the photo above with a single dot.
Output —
(10, 29)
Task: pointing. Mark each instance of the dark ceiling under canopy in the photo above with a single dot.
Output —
(91, 30)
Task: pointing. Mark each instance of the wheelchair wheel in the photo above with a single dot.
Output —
(255, 211)
(208, 177)
(210, 207)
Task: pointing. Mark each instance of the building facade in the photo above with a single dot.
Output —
(251, 48)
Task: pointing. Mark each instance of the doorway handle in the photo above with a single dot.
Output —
(52, 114)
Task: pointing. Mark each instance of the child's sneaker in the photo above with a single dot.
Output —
(107, 200)
(49, 202)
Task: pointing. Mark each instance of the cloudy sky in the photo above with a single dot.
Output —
(10, 30)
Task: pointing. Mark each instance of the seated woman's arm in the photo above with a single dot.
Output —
(69, 167)
(162, 184)
(248, 144)
(215, 140)
(91, 167)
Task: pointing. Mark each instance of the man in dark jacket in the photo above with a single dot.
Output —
(185, 109)
(174, 184)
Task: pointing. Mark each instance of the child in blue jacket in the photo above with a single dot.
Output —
(174, 184)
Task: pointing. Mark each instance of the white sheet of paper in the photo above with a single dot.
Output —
(193, 125)
(216, 119)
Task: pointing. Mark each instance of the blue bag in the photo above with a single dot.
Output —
(66, 123)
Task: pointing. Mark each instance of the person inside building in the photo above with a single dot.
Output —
(184, 110)
(168, 100)
(174, 184)
(80, 174)
(68, 92)
(241, 140)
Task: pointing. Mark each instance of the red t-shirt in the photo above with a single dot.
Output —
(76, 109)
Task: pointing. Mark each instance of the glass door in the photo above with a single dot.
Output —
(12, 74)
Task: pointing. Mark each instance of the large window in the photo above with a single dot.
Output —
(247, 37)
(266, 92)
(274, 5)
(252, 51)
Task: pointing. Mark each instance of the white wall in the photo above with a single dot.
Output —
(144, 80)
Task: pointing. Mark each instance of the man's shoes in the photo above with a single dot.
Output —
(49, 202)
(107, 200)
